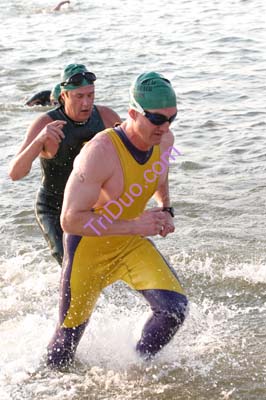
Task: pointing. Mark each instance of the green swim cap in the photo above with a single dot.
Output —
(73, 69)
(55, 93)
(152, 91)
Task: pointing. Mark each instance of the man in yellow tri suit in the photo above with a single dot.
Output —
(106, 225)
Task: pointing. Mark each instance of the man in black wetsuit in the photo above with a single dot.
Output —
(57, 138)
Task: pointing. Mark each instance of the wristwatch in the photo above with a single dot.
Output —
(170, 210)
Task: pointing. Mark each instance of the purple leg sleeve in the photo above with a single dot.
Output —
(63, 345)
(168, 314)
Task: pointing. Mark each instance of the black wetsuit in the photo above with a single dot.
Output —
(55, 173)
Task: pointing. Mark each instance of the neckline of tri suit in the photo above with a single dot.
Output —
(78, 123)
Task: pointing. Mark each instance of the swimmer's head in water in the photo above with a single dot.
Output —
(76, 75)
(39, 99)
(151, 91)
(55, 94)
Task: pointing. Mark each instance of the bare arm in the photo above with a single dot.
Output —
(42, 138)
(162, 195)
(89, 178)
(109, 117)
(59, 5)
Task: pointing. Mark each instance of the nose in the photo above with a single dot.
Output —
(165, 127)
(86, 101)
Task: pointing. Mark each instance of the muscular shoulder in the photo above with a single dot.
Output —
(96, 158)
(167, 148)
(167, 140)
(109, 116)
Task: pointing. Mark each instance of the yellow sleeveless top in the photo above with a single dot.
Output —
(140, 182)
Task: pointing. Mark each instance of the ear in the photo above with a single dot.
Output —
(132, 113)
(62, 97)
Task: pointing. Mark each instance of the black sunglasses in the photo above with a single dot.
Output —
(158, 119)
(77, 79)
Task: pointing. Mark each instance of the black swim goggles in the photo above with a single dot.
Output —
(77, 79)
(158, 119)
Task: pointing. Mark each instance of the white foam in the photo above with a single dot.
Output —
(106, 354)
(253, 273)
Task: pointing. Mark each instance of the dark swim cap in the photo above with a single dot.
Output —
(70, 70)
(152, 91)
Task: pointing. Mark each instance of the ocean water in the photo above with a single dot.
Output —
(214, 53)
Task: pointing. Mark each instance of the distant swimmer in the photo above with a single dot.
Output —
(45, 97)
(40, 99)
(59, 5)
(57, 138)
(108, 227)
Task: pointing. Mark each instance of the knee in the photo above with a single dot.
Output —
(181, 309)
(175, 308)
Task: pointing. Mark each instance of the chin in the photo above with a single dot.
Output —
(157, 139)
(83, 116)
